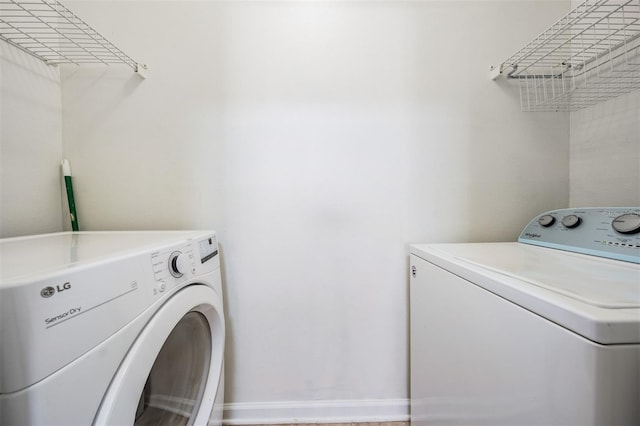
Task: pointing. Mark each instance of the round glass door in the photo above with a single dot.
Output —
(176, 382)
(171, 373)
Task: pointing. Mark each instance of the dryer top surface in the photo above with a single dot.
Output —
(31, 257)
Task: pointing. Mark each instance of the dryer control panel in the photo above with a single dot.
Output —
(610, 232)
(173, 266)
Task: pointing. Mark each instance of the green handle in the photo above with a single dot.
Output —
(72, 203)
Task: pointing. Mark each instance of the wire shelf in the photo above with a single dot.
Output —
(52, 33)
(589, 56)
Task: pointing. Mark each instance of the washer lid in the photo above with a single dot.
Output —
(597, 283)
(597, 298)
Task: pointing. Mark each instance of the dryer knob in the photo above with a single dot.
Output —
(627, 223)
(571, 221)
(179, 264)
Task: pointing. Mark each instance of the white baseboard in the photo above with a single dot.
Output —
(339, 411)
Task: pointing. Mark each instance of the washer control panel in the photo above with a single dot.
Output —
(611, 232)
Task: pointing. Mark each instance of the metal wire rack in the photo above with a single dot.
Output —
(589, 56)
(51, 32)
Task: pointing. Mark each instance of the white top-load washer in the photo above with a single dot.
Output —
(543, 331)
(111, 328)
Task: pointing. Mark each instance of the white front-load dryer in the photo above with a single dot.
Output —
(111, 328)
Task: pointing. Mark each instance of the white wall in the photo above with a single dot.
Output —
(319, 139)
(605, 153)
(30, 145)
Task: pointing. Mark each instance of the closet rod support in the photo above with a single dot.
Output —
(141, 70)
(495, 72)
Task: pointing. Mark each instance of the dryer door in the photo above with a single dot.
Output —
(171, 373)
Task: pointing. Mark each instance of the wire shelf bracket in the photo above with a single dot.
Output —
(589, 56)
(52, 33)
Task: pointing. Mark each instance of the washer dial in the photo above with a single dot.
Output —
(628, 223)
(571, 221)
(546, 220)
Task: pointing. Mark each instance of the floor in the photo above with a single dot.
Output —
(343, 424)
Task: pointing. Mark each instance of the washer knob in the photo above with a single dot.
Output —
(546, 220)
(628, 223)
(571, 221)
(178, 264)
